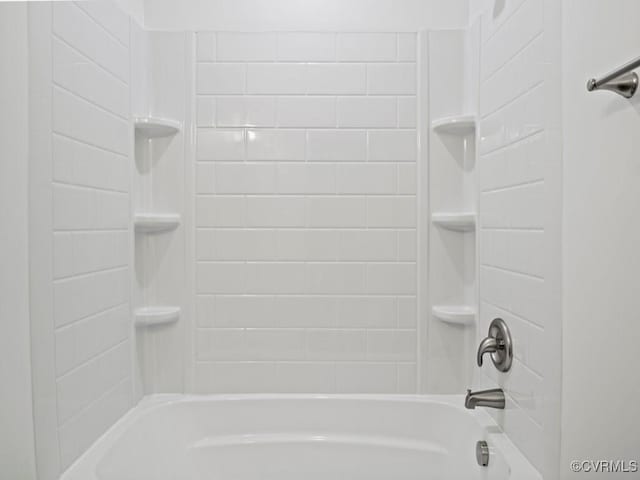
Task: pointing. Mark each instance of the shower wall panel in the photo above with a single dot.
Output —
(80, 175)
(305, 212)
(520, 170)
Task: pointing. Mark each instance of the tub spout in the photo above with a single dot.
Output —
(493, 398)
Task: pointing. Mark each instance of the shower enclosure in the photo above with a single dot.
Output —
(277, 239)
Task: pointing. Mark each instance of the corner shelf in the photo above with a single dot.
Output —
(156, 222)
(153, 316)
(456, 125)
(459, 222)
(455, 314)
(155, 127)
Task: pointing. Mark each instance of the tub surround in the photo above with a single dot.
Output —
(284, 212)
(450, 301)
(305, 212)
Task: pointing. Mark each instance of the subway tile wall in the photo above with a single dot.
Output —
(91, 164)
(305, 212)
(515, 144)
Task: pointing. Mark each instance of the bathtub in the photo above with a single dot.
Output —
(295, 437)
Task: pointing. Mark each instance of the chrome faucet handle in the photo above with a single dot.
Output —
(498, 344)
(488, 345)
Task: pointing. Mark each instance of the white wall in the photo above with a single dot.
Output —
(305, 15)
(80, 174)
(450, 186)
(601, 378)
(519, 179)
(306, 212)
(91, 165)
(133, 8)
(16, 422)
(162, 65)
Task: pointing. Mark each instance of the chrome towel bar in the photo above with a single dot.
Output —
(621, 81)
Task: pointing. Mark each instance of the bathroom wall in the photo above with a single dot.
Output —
(305, 212)
(305, 15)
(449, 63)
(519, 179)
(80, 156)
(16, 416)
(601, 379)
(161, 71)
(349, 238)
(133, 8)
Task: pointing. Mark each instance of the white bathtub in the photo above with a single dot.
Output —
(295, 437)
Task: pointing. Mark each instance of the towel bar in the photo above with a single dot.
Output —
(621, 80)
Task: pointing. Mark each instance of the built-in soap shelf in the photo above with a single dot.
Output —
(455, 314)
(156, 222)
(154, 316)
(459, 222)
(156, 127)
(455, 125)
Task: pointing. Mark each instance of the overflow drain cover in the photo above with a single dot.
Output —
(482, 453)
